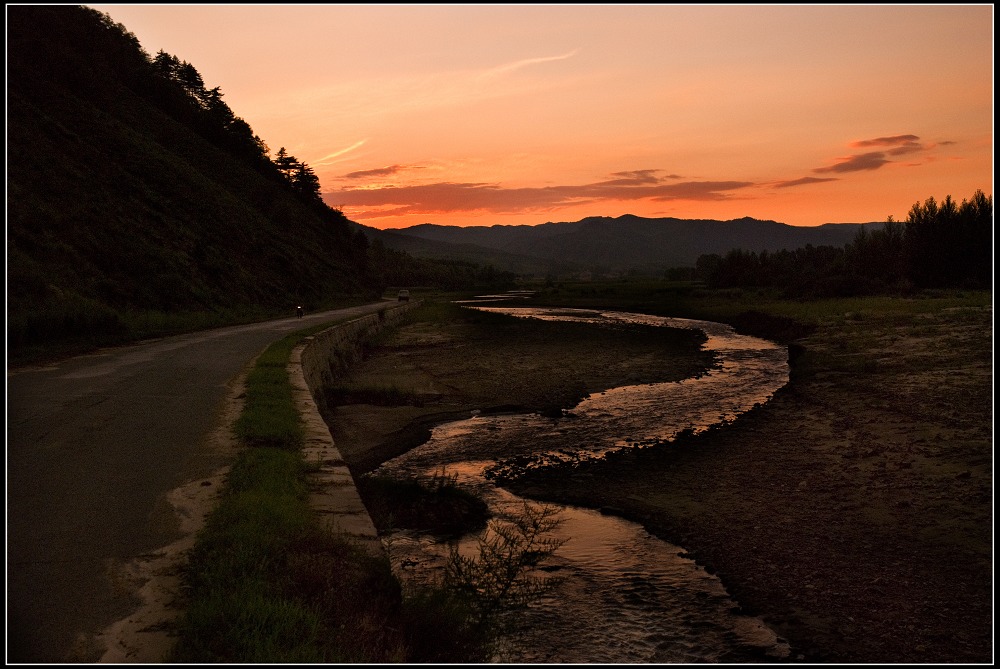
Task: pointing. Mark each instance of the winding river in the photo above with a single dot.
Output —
(622, 596)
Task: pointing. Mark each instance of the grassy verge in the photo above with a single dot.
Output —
(266, 583)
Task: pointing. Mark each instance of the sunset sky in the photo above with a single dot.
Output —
(521, 114)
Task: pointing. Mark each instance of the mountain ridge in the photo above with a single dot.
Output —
(623, 243)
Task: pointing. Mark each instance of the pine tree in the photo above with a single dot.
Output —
(286, 164)
(305, 181)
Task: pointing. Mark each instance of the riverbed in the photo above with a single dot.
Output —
(622, 594)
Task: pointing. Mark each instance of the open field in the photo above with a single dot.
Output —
(853, 511)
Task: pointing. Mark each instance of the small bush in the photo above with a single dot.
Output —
(500, 576)
(435, 505)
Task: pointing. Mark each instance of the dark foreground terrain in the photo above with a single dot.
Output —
(853, 511)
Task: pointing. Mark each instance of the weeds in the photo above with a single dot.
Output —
(470, 609)
(499, 576)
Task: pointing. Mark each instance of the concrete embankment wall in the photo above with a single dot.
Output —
(316, 363)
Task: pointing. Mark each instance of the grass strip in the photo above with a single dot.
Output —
(264, 582)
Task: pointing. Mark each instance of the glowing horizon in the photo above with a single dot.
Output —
(520, 114)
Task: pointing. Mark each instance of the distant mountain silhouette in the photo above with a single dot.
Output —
(614, 244)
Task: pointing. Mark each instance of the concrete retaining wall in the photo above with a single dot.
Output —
(329, 353)
(315, 363)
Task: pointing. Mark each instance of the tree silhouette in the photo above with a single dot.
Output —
(305, 182)
(949, 245)
(286, 163)
(940, 245)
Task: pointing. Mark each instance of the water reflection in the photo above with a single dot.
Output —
(505, 297)
(624, 595)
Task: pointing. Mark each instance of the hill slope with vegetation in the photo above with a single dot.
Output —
(139, 203)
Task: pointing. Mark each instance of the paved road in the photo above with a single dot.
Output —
(94, 443)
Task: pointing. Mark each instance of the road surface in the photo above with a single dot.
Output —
(94, 444)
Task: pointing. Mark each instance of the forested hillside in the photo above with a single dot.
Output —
(136, 194)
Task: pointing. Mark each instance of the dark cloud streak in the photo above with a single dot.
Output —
(857, 163)
(450, 196)
(804, 181)
(909, 147)
(378, 172)
(894, 145)
(634, 177)
(886, 141)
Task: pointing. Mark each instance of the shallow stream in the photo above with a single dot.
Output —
(623, 596)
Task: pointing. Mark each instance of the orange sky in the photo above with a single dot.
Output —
(521, 114)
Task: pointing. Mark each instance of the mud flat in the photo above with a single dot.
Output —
(853, 511)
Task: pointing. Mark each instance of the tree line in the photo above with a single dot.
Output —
(939, 245)
(216, 120)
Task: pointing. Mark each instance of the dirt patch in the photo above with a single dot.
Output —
(853, 511)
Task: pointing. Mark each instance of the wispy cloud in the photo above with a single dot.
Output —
(331, 158)
(525, 62)
(401, 95)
